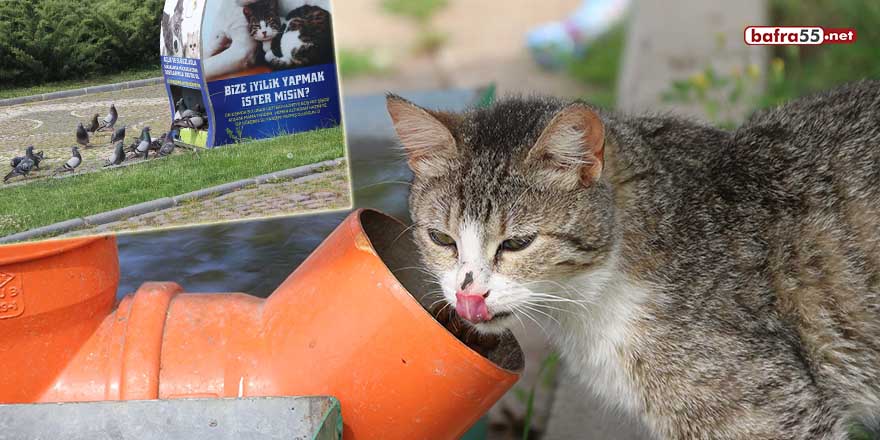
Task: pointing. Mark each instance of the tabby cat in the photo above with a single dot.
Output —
(719, 284)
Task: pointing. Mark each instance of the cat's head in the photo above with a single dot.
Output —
(191, 50)
(309, 19)
(263, 20)
(510, 204)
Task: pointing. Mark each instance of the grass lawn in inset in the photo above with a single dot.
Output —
(50, 201)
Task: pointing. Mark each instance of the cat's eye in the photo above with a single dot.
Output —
(441, 238)
(517, 243)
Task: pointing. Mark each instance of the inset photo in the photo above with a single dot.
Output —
(179, 150)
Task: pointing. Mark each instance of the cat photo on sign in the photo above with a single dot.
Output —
(181, 27)
(244, 37)
(191, 45)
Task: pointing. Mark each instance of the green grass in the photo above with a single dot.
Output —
(53, 200)
(600, 67)
(418, 10)
(129, 75)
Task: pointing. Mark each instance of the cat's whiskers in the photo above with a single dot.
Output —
(549, 307)
(434, 277)
(439, 312)
(568, 289)
(538, 310)
(559, 304)
(442, 299)
(521, 323)
(407, 229)
(518, 309)
(555, 298)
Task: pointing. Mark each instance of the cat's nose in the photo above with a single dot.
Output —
(471, 280)
(472, 307)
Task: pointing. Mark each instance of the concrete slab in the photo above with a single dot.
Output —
(577, 413)
(675, 39)
(256, 418)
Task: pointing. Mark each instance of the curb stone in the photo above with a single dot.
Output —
(55, 228)
(81, 91)
(308, 178)
(218, 190)
(129, 211)
(306, 171)
(294, 173)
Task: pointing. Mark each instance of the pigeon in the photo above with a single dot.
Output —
(143, 144)
(22, 169)
(37, 158)
(179, 108)
(71, 164)
(82, 136)
(93, 126)
(29, 152)
(167, 144)
(16, 160)
(118, 135)
(156, 144)
(194, 121)
(133, 146)
(110, 120)
(118, 155)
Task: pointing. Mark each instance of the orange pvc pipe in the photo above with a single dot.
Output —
(340, 325)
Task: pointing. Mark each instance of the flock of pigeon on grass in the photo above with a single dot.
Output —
(164, 145)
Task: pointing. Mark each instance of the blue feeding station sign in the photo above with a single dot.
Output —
(249, 69)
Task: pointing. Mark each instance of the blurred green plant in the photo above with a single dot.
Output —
(360, 62)
(430, 41)
(720, 95)
(600, 67)
(421, 11)
(858, 432)
(810, 69)
(794, 70)
(547, 380)
(52, 40)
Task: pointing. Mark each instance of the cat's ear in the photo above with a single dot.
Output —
(428, 142)
(570, 150)
(247, 11)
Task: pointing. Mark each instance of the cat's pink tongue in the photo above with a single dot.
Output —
(472, 307)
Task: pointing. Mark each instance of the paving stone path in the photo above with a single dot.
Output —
(317, 192)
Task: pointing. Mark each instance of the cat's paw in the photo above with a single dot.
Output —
(269, 56)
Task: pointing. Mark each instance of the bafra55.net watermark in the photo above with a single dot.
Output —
(783, 35)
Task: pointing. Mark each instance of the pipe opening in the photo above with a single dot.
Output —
(393, 243)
